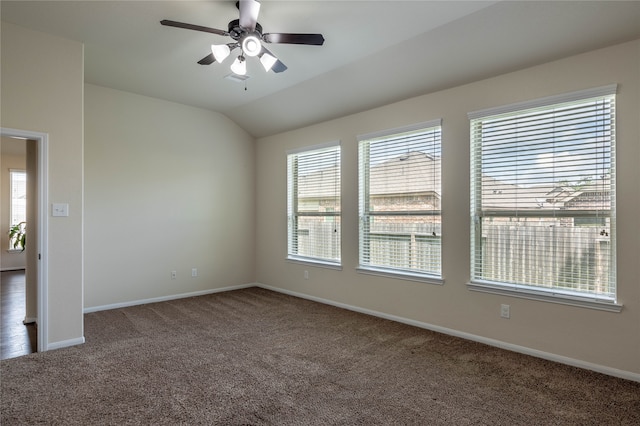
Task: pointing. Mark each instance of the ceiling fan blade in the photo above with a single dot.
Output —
(249, 10)
(207, 60)
(278, 67)
(169, 23)
(311, 39)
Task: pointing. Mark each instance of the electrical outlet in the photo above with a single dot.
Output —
(174, 274)
(194, 272)
(306, 275)
(505, 311)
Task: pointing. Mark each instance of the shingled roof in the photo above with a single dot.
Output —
(420, 173)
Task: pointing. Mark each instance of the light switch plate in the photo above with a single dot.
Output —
(60, 209)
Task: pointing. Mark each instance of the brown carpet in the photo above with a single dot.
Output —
(255, 357)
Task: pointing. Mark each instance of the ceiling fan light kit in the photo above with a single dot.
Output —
(267, 61)
(247, 34)
(239, 66)
(251, 45)
(220, 52)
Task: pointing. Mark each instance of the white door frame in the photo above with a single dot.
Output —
(42, 140)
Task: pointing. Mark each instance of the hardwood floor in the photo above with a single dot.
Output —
(16, 338)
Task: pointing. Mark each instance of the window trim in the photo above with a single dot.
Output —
(311, 261)
(316, 147)
(534, 293)
(399, 274)
(609, 89)
(560, 296)
(402, 129)
(364, 183)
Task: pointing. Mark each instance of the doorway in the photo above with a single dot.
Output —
(38, 232)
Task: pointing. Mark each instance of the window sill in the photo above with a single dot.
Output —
(15, 250)
(389, 273)
(546, 296)
(314, 262)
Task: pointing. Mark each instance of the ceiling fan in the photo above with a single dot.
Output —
(247, 34)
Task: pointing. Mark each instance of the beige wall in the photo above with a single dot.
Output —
(167, 187)
(587, 336)
(13, 155)
(42, 91)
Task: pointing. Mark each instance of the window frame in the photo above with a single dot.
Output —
(293, 212)
(366, 212)
(528, 291)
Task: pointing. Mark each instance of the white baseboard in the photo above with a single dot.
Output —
(628, 375)
(65, 343)
(164, 298)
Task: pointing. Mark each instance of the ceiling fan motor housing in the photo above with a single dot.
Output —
(237, 33)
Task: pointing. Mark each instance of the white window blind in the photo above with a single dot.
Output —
(543, 196)
(313, 208)
(399, 200)
(18, 205)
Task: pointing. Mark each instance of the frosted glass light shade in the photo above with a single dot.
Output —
(220, 52)
(267, 61)
(239, 66)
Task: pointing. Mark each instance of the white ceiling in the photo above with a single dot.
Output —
(375, 53)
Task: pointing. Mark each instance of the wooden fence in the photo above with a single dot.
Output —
(562, 257)
(570, 258)
(414, 246)
(319, 238)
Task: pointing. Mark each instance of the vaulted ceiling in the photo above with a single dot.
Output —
(375, 52)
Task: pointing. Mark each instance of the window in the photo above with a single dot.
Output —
(543, 197)
(313, 208)
(18, 204)
(400, 192)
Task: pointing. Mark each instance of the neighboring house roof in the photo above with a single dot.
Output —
(319, 184)
(394, 176)
(500, 195)
(504, 196)
(413, 173)
(420, 173)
